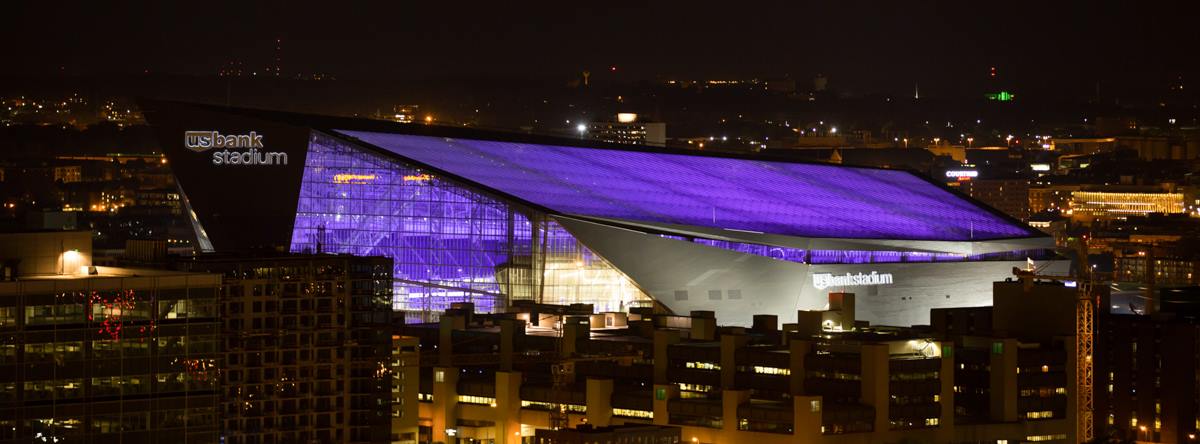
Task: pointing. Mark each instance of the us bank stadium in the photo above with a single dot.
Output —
(492, 218)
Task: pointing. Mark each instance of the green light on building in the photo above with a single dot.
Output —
(1002, 96)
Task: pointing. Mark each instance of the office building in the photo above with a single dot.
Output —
(1010, 196)
(306, 347)
(971, 378)
(492, 218)
(1115, 204)
(628, 129)
(1146, 387)
(586, 434)
(103, 354)
(1056, 198)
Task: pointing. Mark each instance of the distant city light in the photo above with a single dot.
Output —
(1002, 96)
(627, 117)
(581, 128)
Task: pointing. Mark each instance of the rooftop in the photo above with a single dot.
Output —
(739, 194)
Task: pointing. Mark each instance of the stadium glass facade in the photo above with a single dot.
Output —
(450, 244)
(469, 215)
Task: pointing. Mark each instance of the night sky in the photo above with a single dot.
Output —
(884, 46)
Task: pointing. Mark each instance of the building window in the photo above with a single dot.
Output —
(480, 400)
(703, 365)
(772, 370)
(1044, 414)
(630, 413)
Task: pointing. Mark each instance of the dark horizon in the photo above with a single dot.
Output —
(946, 48)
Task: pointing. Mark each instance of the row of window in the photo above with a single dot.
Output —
(74, 388)
(110, 310)
(62, 352)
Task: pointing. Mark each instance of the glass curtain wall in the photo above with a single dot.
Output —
(449, 243)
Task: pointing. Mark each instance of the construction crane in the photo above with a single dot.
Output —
(1085, 330)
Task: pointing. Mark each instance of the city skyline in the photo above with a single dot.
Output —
(546, 223)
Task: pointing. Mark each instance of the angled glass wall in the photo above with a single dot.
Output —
(450, 244)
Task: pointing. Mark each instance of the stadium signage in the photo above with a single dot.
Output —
(247, 148)
(825, 280)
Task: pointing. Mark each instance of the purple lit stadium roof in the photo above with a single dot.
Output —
(807, 200)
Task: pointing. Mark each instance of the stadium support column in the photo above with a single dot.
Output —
(599, 401)
(537, 260)
(876, 383)
(508, 407)
(1003, 384)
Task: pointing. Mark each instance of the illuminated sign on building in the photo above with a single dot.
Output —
(825, 280)
(252, 142)
(1040, 167)
(353, 178)
(1002, 96)
(962, 173)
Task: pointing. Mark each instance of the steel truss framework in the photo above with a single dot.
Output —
(450, 244)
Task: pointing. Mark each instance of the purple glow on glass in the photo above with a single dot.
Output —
(806, 200)
(855, 256)
(771, 251)
(448, 244)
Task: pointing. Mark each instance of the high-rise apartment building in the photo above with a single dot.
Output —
(305, 346)
(1146, 387)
